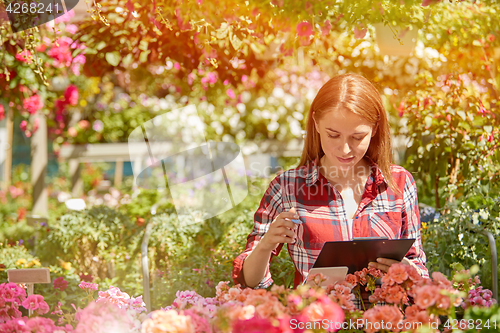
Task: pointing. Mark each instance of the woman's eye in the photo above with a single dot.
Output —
(358, 139)
(333, 137)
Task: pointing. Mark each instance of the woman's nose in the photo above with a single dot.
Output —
(346, 149)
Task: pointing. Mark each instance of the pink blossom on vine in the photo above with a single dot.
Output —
(71, 28)
(230, 93)
(71, 95)
(61, 52)
(360, 31)
(23, 125)
(325, 29)
(32, 104)
(25, 56)
(36, 124)
(304, 29)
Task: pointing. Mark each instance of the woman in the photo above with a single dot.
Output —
(344, 187)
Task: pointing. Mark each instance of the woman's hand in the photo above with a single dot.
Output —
(383, 263)
(282, 230)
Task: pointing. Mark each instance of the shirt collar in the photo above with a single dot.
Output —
(313, 172)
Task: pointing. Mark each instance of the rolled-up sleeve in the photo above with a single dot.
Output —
(270, 207)
(411, 226)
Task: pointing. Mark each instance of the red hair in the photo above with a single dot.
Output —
(354, 93)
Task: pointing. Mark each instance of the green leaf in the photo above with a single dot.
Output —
(113, 58)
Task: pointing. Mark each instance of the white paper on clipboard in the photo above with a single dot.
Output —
(333, 274)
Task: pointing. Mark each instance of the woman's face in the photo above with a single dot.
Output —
(345, 138)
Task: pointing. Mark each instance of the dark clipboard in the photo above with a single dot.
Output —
(356, 254)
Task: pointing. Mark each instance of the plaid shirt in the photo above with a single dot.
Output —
(382, 212)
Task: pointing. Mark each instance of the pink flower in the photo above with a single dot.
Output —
(426, 296)
(36, 124)
(88, 285)
(120, 299)
(65, 18)
(103, 318)
(201, 324)
(325, 29)
(71, 28)
(15, 191)
(395, 295)
(23, 125)
(323, 308)
(385, 314)
(25, 56)
(32, 104)
(2, 112)
(398, 273)
(40, 324)
(60, 283)
(61, 52)
(304, 29)
(36, 302)
(168, 321)
(72, 132)
(441, 280)
(359, 32)
(230, 93)
(254, 325)
(84, 124)
(71, 94)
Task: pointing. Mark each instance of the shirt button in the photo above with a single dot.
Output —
(357, 217)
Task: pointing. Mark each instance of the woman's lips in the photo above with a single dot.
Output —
(343, 160)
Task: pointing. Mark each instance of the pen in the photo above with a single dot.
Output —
(297, 221)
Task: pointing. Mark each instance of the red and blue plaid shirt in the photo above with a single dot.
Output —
(382, 212)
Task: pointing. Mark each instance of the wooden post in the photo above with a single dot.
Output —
(118, 172)
(76, 181)
(7, 176)
(29, 276)
(39, 160)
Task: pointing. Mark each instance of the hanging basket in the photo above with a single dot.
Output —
(388, 43)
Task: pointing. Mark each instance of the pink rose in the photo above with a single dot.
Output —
(23, 125)
(32, 104)
(71, 95)
(60, 283)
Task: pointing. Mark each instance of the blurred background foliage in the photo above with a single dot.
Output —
(252, 68)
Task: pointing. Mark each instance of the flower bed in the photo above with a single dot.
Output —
(412, 304)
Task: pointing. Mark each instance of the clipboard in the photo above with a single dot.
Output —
(356, 254)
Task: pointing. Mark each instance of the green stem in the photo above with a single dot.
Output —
(361, 299)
